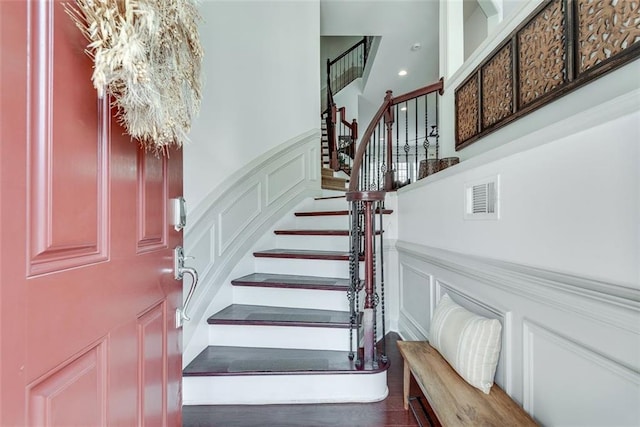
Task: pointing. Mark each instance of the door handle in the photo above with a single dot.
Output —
(179, 271)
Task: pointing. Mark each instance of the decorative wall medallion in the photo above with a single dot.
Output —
(497, 87)
(467, 110)
(542, 56)
(605, 28)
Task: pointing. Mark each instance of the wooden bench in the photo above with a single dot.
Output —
(453, 400)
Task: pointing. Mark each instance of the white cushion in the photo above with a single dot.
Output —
(469, 342)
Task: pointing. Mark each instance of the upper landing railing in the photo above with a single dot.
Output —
(402, 137)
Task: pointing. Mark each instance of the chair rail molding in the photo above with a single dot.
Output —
(608, 303)
(239, 211)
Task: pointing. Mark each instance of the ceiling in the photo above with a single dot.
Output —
(400, 24)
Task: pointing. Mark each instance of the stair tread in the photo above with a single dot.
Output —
(298, 232)
(303, 254)
(302, 232)
(338, 212)
(279, 316)
(333, 187)
(226, 361)
(330, 197)
(292, 281)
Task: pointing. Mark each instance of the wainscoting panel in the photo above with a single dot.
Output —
(223, 228)
(566, 383)
(284, 178)
(238, 214)
(570, 346)
(416, 300)
(205, 246)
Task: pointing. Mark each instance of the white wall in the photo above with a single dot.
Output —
(560, 267)
(571, 204)
(400, 24)
(475, 29)
(262, 86)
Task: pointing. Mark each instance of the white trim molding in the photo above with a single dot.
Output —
(608, 303)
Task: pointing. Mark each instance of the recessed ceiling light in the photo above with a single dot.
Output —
(402, 72)
(403, 109)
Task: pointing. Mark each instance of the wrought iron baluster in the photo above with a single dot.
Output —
(415, 166)
(383, 356)
(374, 361)
(397, 165)
(407, 148)
(383, 162)
(426, 133)
(378, 159)
(354, 274)
(436, 129)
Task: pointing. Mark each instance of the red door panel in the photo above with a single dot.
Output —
(87, 294)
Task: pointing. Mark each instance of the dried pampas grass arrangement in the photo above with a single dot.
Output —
(147, 56)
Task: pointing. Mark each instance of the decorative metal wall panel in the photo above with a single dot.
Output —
(542, 54)
(467, 110)
(497, 87)
(562, 45)
(605, 28)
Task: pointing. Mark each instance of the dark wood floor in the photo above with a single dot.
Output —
(388, 412)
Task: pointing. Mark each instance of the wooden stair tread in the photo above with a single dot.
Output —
(292, 281)
(312, 232)
(227, 361)
(303, 254)
(334, 187)
(334, 213)
(243, 314)
(297, 232)
(330, 197)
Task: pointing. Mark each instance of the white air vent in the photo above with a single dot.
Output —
(481, 199)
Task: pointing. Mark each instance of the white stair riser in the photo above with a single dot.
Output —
(284, 389)
(331, 204)
(320, 243)
(307, 338)
(305, 267)
(327, 222)
(296, 298)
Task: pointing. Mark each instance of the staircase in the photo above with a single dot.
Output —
(335, 181)
(286, 337)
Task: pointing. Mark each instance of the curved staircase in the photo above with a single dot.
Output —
(286, 337)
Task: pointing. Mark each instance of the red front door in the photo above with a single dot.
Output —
(87, 294)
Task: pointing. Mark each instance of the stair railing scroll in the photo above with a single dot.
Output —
(374, 172)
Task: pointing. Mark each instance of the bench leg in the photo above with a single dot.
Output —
(405, 385)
